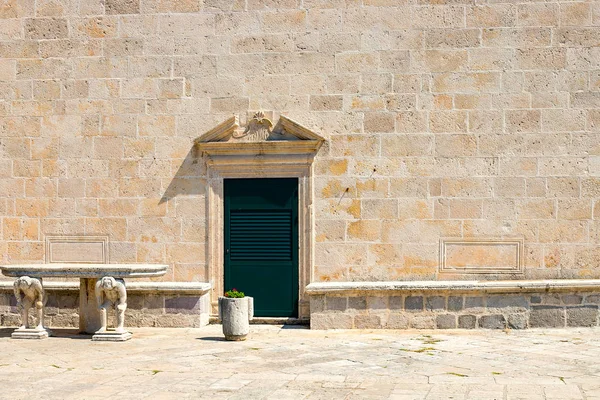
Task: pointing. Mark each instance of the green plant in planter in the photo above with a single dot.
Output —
(234, 294)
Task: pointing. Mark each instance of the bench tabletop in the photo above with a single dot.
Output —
(85, 270)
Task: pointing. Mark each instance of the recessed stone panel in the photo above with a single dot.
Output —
(487, 256)
(77, 249)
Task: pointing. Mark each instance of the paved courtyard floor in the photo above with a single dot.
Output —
(296, 363)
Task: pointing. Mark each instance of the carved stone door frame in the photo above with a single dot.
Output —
(262, 159)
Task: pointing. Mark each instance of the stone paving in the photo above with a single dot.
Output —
(296, 363)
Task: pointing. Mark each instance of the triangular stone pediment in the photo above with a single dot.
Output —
(260, 134)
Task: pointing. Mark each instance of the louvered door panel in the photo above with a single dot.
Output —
(261, 243)
(260, 235)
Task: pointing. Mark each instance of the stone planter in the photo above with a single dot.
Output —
(235, 315)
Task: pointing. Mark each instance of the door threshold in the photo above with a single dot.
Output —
(269, 321)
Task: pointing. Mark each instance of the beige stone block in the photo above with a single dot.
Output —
(563, 120)
(575, 14)
(466, 187)
(371, 188)
(123, 168)
(140, 187)
(367, 103)
(21, 229)
(564, 232)
(156, 125)
(283, 21)
(117, 207)
(411, 122)
(490, 59)
(438, 16)
(467, 82)
(149, 67)
(122, 6)
(31, 207)
(186, 252)
(574, 209)
(455, 145)
(586, 100)
(23, 252)
(330, 231)
(578, 36)
(406, 145)
(11, 29)
(386, 255)
(536, 209)
(499, 209)
(354, 145)
(187, 25)
(415, 209)
(363, 231)
(452, 38)
(465, 209)
(378, 122)
(491, 15)
(379, 208)
(46, 90)
(538, 58)
(439, 60)
(344, 208)
(537, 14)
(516, 37)
(360, 19)
(98, 27)
(472, 101)
(357, 62)
(563, 187)
(26, 168)
(487, 122)
(376, 83)
(562, 167)
(415, 187)
(15, 126)
(40, 187)
(326, 103)
(519, 121)
(336, 188)
(115, 228)
(509, 187)
(54, 168)
(46, 28)
(53, 68)
(94, 67)
(401, 102)
(71, 187)
(19, 48)
(150, 252)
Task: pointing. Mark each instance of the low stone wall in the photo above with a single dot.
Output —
(449, 305)
(168, 304)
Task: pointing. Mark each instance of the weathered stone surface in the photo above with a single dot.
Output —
(445, 321)
(367, 322)
(582, 316)
(546, 317)
(496, 321)
(330, 321)
(435, 303)
(517, 321)
(413, 303)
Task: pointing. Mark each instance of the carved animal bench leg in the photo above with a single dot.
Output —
(111, 292)
(30, 294)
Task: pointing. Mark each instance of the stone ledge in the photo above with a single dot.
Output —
(132, 287)
(516, 286)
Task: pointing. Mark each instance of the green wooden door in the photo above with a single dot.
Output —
(261, 243)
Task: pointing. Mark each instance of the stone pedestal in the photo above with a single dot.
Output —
(111, 336)
(30, 334)
(89, 314)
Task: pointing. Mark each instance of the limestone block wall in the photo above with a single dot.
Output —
(442, 310)
(453, 119)
(143, 309)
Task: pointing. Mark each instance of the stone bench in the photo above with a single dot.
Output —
(101, 286)
(515, 304)
(160, 304)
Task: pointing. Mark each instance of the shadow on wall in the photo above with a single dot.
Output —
(190, 178)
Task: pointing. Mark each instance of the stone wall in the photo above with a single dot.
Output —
(456, 119)
(449, 311)
(149, 309)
